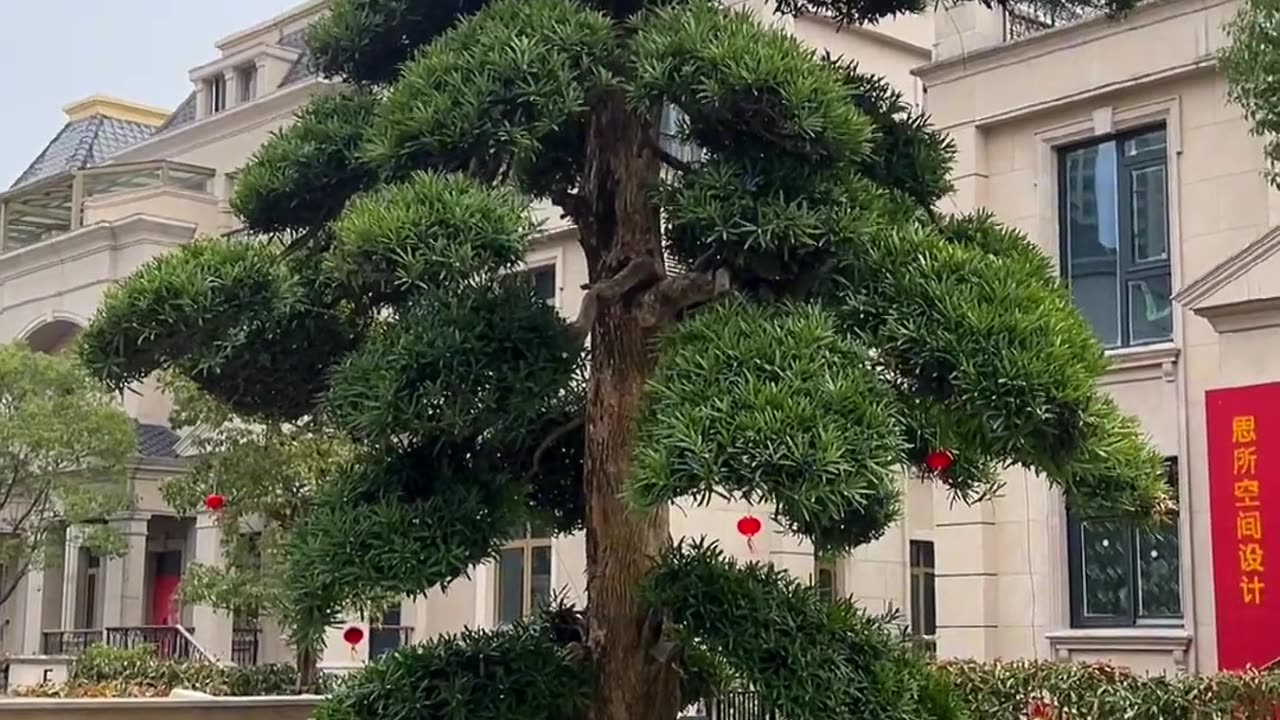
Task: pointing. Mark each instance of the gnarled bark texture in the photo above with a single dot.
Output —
(633, 682)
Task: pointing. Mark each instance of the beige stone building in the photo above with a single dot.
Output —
(120, 184)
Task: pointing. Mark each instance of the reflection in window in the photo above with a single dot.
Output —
(1124, 575)
(1115, 237)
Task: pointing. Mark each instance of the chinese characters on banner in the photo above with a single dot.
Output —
(1243, 425)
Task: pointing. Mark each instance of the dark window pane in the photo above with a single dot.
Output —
(826, 583)
(930, 604)
(1150, 309)
(540, 578)
(1092, 225)
(1149, 213)
(510, 585)
(1159, 575)
(1146, 142)
(1105, 568)
(543, 280)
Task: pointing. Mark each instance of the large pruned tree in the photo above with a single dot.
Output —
(787, 319)
(64, 445)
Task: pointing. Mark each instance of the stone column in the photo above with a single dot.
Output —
(211, 627)
(70, 577)
(33, 613)
(965, 542)
(125, 577)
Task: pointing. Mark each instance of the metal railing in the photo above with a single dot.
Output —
(244, 645)
(167, 641)
(69, 642)
(1022, 20)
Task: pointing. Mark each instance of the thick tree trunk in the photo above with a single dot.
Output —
(633, 683)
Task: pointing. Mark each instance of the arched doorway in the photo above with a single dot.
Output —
(53, 337)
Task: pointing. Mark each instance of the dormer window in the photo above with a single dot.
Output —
(215, 89)
(246, 83)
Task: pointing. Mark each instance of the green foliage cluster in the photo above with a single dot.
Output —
(64, 444)
(806, 657)
(1098, 691)
(1251, 63)
(810, 327)
(104, 672)
(528, 671)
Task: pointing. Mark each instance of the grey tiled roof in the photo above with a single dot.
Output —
(185, 113)
(82, 144)
(301, 68)
(156, 441)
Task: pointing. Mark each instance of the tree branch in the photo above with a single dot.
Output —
(551, 439)
(637, 273)
(666, 157)
(679, 292)
(12, 586)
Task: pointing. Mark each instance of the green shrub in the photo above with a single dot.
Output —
(103, 671)
(1098, 691)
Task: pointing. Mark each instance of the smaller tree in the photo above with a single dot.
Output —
(64, 443)
(265, 474)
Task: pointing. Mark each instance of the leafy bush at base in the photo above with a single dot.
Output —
(106, 672)
(1098, 691)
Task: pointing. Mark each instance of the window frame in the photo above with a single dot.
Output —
(216, 91)
(246, 83)
(1127, 268)
(831, 568)
(526, 543)
(922, 574)
(1075, 573)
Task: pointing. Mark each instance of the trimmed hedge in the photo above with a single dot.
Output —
(106, 672)
(1097, 691)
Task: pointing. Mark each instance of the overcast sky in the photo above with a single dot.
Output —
(55, 51)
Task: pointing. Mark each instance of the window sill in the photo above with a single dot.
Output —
(1143, 638)
(1143, 362)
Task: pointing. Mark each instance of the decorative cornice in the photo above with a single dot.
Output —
(1058, 39)
(1242, 316)
(1194, 294)
(226, 124)
(1137, 364)
(1172, 640)
(91, 239)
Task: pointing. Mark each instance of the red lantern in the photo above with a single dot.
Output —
(215, 502)
(939, 460)
(353, 635)
(749, 526)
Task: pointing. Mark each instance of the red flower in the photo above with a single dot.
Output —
(1040, 710)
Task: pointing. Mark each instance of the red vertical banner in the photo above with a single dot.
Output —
(1243, 426)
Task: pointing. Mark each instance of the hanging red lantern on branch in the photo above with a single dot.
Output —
(749, 526)
(352, 636)
(215, 502)
(939, 460)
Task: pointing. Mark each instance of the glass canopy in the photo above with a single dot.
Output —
(52, 206)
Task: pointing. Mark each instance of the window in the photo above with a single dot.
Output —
(924, 607)
(524, 575)
(1115, 236)
(825, 579)
(215, 89)
(1122, 575)
(543, 281)
(246, 83)
(386, 634)
(671, 132)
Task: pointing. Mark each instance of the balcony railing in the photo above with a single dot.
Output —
(244, 645)
(165, 640)
(1023, 20)
(52, 206)
(69, 642)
